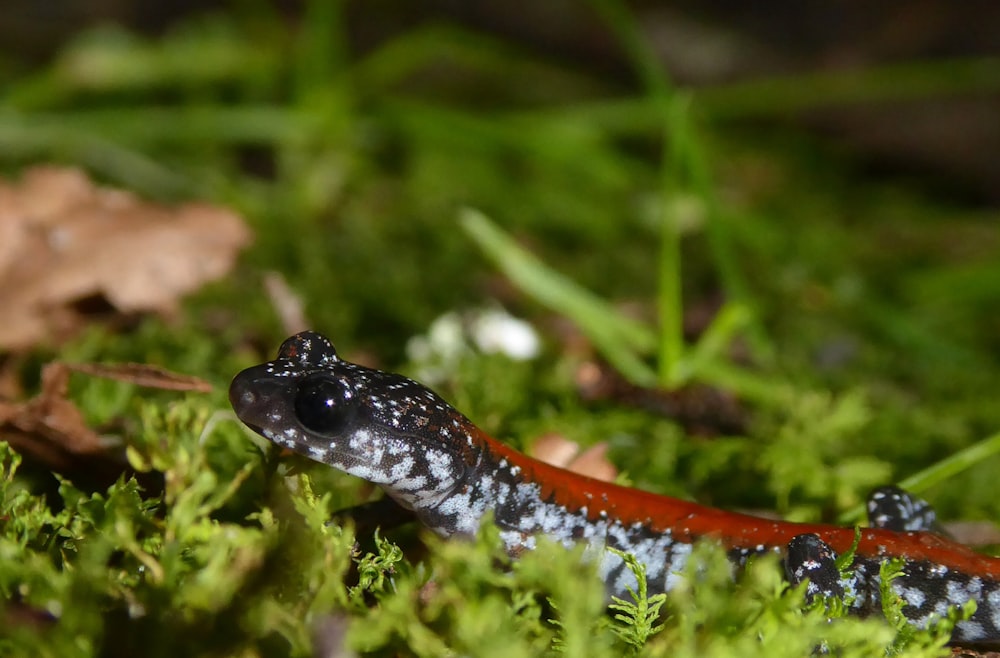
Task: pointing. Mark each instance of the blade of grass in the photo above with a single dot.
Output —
(108, 60)
(619, 339)
(953, 465)
(684, 171)
(560, 146)
(939, 472)
(778, 96)
(647, 64)
(320, 56)
(713, 342)
(675, 129)
(481, 54)
(675, 170)
(764, 390)
(153, 126)
(698, 180)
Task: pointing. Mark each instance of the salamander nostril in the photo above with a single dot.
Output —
(241, 394)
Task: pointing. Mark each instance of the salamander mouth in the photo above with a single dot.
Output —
(255, 428)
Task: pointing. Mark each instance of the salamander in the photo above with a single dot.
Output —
(431, 459)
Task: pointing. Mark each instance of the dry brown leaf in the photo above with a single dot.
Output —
(560, 451)
(65, 241)
(554, 449)
(973, 533)
(49, 428)
(594, 462)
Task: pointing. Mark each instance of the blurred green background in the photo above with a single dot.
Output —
(826, 175)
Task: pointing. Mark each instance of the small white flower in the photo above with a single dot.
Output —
(456, 333)
(496, 331)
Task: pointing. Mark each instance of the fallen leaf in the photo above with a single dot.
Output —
(974, 533)
(68, 246)
(50, 430)
(555, 449)
(594, 462)
(560, 451)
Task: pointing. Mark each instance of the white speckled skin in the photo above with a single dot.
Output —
(396, 433)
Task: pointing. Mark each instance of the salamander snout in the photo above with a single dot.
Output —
(249, 399)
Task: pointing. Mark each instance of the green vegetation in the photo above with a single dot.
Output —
(434, 172)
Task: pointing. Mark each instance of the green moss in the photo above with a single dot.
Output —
(859, 330)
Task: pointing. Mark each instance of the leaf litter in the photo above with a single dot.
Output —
(72, 250)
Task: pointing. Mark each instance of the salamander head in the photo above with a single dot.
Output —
(379, 426)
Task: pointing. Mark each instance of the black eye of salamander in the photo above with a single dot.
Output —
(321, 407)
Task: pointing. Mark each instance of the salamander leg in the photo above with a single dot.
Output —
(891, 508)
(810, 558)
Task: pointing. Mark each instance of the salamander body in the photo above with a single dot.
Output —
(431, 459)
